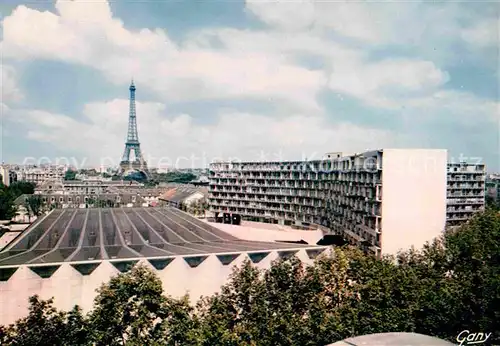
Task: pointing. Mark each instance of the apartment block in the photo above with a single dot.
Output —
(7, 175)
(40, 175)
(387, 200)
(466, 192)
(89, 187)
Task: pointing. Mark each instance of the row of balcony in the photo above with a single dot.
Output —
(465, 186)
(462, 194)
(276, 192)
(267, 198)
(464, 210)
(457, 217)
(249, 201)
(467, 177)
(264, 207)
(314, 166)
(288, 216)
(356, 177)
(465, 201)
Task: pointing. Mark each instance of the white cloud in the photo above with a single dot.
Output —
(387, 83)
(429, 30)
(483, 34)
(466, 108)
(371, 22)
(178, 138)
(9, 91)
(248, 64)
(84, 32)
(252, 64)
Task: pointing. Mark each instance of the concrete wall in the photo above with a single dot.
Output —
(268, 232)
(414, 197)
(69, 287)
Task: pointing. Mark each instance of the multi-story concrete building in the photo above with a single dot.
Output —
(83, 201)
(183, 195)
(466, 192)
(8, 175)
(387, 199)
(39, 175)
(90, 187)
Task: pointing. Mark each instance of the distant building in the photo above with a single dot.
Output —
(465, 192)
(9, 176)
(384, 200)
(39, 175)
(90, 186)
(185, 195)
(85, 200)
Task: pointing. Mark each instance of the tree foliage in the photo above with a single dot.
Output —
(34, 205)
(174, 177)
(8, 195)
(44, 325)
(197, 208)
(451, 285)
(492, 203)
(132, 308)
(19, 188)
(7, 207)
(70, 175)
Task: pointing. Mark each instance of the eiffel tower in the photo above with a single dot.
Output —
(132, 142)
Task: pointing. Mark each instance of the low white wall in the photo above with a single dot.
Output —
(271, 232)
(69, 287)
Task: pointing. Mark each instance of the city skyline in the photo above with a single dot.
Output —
(229, 79)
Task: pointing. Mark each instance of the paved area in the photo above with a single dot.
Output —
(69, 235)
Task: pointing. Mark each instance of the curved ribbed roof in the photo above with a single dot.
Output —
(74, 235)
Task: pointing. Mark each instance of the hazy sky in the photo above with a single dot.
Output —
(248, 80)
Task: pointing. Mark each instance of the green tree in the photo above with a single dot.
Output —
(44, 325)
(77, 330)
(492, 203)
(34, 205)
(194, 208)
(19, 188)
(91, 202)
(7, 207)
(450, 285)
(473, 263)
(182, 206)
(70, 175)
(174, 177)
(132, 309)
(101, 203)
(289, 304)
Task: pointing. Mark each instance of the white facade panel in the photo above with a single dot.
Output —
(413, 197)
(69, 287)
